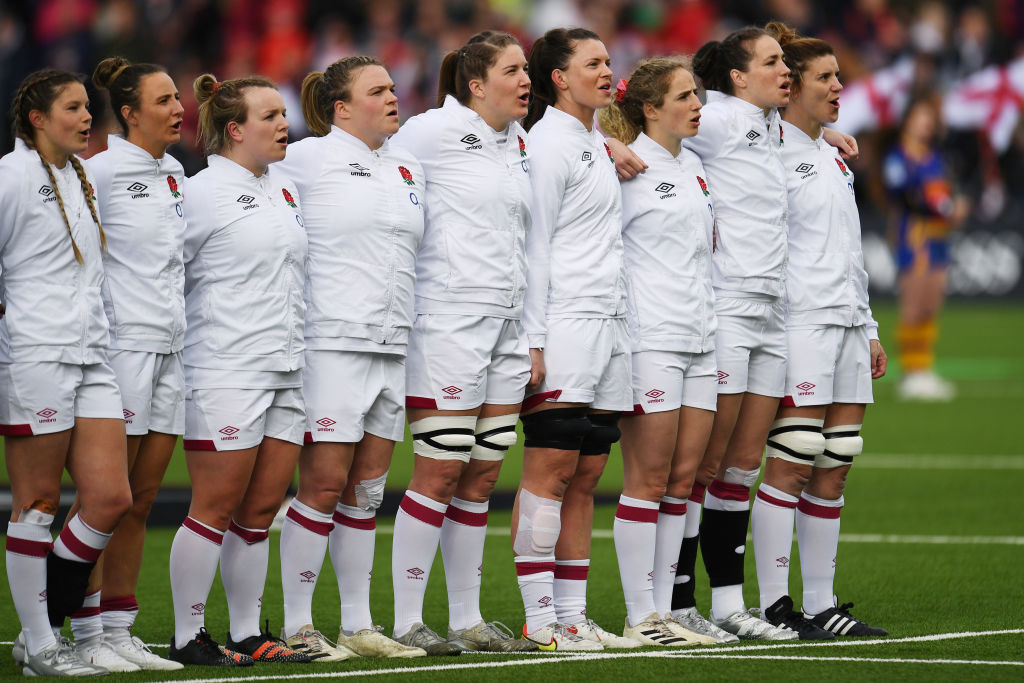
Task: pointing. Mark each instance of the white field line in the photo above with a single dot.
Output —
(734, 652)
(925, 461)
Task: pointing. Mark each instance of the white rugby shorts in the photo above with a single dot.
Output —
(750, 345)
(349, 393)
(45, 397)
(828, 364)
(152, 390)
(586, 360)
(667, 380)
(236, 419)
(460, 362)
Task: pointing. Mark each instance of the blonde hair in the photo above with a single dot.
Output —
(648, 84)
(38, 92)
(321, 89)
(220, 103)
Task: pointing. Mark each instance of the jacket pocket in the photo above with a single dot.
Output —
(478, 258)
(249, 322)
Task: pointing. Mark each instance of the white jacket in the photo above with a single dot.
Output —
(472, 259)
(667, 227)
(245, 253)
(364, 222)
(140, 199)
(826, 282)
(574, 248)
(54, 306)
(741, 151)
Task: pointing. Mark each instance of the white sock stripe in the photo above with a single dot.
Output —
(426, 501)
(469, 506)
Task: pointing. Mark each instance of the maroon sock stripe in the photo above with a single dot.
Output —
(697, 493)
(24, 546)
(250, 536)
(725, 491)
(367, 524)
(772, 500)
(126, 604)
(536, 399)
(678, 509)
(83, 552)
(467, 517)
(15, 430)
(571, 571)
(526, 568)
(422, 512)
(420, 402)
(814, 510)
(198, 445)
(209, 534)
(635, 514)
(85, 612)
(318, 528)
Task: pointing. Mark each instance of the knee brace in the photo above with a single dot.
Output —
(604, 431)
(494, 436)
(540, 522)
(796, 439)
(842, 444)
(562, 428)
(734, 475)
(370, 492)
(444, 437)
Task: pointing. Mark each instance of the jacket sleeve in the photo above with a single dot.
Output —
(420, 135)
(549, 176)
(11, 195)
(714, 130)
(302, 163)
(200, 215)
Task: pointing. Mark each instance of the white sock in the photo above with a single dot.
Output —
(352, 544)
(462, 547)
(668, 538)
(118, 613)
(417, 532)
(571, 590)
(635, 531)
(727, 600)
(243, 570)
(817, 533)
(536, 577)
(87, 621)
(303, 546)
(771, 522)
(195, 552)
(79, 542)
(28, 543)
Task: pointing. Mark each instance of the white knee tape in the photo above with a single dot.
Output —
(370, 492)
(796, 439)
(444, 437)
(734, 475)
(494, 436)
(842, 444)
(540, 522)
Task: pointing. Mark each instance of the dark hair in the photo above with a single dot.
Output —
(220, 103)
(321, 89)
(553, 50)
(122, 79)
(469, 62)
(716, 59)
(38, 92)
(648, 84)
(797, 51)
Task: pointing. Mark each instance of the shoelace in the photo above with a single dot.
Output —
(845, 607)
(500, 629)
(564, 631)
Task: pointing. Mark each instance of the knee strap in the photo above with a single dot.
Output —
(796, 439)
(444, 437)
(842, 444)
(540, 523)
(562, 428)
(494, 436)
(604, 431)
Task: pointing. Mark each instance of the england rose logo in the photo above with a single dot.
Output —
(522, 146)
(288, 197)
(609, 152)
(703, 186)
(842, 167)
(406, 175)
(92, 192)
(173, 184)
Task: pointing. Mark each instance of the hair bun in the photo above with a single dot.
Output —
(204, 87)
(108, 70)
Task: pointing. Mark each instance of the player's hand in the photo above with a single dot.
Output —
(627, 163)
(847, 144)
(536, 369)
(879, 361)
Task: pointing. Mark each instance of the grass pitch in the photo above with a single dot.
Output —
(931, 549)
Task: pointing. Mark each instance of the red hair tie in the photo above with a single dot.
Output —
(216, 85)
(621, 88)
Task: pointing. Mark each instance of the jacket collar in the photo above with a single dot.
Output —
(352, 141)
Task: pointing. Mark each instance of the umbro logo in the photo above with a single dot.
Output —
(308, 576)
(655, 396)
(753, 135)
(246, 199)
(545, 601)
(722, 376)
(360, 170)
(326, 422)
(198, 609)
(804, 168)
(415, 573)
(782, 561)
(587, 156)
(664, 187)
(452, 392)
(128, 415)
(805, 388)
(46, 412)
(138, 190)
(229, 433)
(46, 190)
(472, 141)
